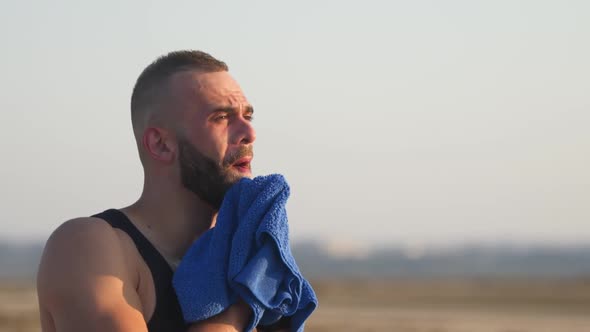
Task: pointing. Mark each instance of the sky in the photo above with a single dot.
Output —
(396, 123)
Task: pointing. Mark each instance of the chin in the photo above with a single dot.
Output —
(235, 176)
(240, 172)
(248, 175)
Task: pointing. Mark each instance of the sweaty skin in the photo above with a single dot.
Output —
(92, 277)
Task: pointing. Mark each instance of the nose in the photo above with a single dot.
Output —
(245, 133)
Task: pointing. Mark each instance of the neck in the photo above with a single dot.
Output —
(171, 217)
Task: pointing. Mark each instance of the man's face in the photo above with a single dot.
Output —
(215, 138)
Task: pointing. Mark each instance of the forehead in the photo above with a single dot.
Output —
(208, 90)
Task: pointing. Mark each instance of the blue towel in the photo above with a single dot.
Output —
(246, 255)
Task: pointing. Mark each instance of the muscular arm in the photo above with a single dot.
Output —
(85, 284)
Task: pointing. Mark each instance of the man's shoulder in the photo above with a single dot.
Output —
(79, 250)
(85, 279)
(85, 233)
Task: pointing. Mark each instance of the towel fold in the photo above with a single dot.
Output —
(246, 255)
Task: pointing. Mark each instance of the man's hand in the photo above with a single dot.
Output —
(282, 325)
(234, 319)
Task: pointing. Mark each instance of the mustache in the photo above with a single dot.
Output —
(241, 152)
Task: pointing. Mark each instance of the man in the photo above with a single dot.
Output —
(112, 271)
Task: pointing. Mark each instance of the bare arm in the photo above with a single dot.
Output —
(85, 284)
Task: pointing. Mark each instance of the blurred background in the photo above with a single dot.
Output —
(438, 151)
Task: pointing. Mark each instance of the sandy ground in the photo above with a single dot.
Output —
(404, 306)
(439, 320)
(452, 306)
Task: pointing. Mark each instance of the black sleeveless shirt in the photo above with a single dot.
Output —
(167, 316)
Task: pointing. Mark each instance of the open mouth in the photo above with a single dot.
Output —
(242, 165)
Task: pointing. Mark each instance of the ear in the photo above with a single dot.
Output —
(159, 144)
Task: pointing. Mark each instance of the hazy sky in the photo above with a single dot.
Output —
(395, 122)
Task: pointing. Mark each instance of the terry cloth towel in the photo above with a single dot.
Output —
(246, 255)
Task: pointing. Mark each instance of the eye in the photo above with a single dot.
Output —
(221, 117)
(249, 117)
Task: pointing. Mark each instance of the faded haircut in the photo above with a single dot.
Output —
(154, 78)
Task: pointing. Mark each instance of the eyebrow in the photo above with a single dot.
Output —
(232, 110)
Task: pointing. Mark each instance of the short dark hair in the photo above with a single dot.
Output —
(154, 76)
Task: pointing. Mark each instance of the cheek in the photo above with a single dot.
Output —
(220, 147)
(212, 142)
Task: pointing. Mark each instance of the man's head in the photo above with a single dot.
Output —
(192, 124)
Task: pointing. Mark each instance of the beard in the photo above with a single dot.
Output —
(205, 177)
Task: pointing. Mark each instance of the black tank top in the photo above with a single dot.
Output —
(167, 316)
